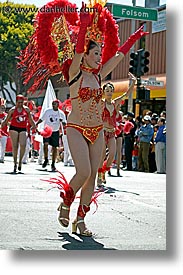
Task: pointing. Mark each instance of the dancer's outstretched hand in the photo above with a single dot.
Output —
(85, 17)
(140, 33)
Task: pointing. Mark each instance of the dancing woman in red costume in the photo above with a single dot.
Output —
(19, 117)
(109, 121)
(88, 65)
(84, 129)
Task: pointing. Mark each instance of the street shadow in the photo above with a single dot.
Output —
(78, 242)
(13, 173)
(112, 190)
(115, 176)
(46, 170)
(41, 170)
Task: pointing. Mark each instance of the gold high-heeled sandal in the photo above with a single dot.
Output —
(99, 179)
(86, 232)
(61, 219)
(66, 193)
(82, 210)
(103, 178)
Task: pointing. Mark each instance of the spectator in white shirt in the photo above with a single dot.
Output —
(52, 117)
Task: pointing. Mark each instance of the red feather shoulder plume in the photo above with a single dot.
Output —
(43, 56)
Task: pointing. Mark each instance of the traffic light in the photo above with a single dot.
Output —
(133, 63)
(143, 62)
(142, 94)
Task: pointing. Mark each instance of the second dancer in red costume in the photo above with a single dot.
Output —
(109, 117)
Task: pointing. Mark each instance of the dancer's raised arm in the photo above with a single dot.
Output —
(85, 20)
(122, 51)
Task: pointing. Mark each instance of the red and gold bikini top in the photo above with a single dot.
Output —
(86, 93)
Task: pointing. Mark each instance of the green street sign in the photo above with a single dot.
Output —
(137, 13)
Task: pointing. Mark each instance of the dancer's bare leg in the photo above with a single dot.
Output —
(103, 154)
(22, 142)
(14, 135)
(87, 165)
(95, 159)
(118, 150)
(112, 151)
(80, 154)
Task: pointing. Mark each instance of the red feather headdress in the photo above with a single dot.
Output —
(51, 47)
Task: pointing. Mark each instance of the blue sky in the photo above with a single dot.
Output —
(40, 3)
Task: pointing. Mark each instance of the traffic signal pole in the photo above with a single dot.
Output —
(130, 98)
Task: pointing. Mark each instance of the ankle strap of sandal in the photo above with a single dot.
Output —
(64, 207)
(80, 221)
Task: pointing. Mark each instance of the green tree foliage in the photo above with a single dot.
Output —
(16, 27)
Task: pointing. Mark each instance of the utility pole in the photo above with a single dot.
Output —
(130, 98)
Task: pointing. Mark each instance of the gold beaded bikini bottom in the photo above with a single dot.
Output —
(90, 133)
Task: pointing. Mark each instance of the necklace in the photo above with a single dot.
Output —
(89, 69)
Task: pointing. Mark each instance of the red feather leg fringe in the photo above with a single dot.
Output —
(100, 170)
(66, 191)
(82, 210)
(105, 168)
(94, 198)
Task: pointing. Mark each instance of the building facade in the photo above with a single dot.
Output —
(155, 44)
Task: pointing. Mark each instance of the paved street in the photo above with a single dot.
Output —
(131, 213)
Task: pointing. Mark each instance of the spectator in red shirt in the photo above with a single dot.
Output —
(135, 154)
(3, 133)
(18, 116)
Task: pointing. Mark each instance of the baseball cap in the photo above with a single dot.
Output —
(148, 118)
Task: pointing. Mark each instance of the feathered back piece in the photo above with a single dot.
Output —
(51, 47)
